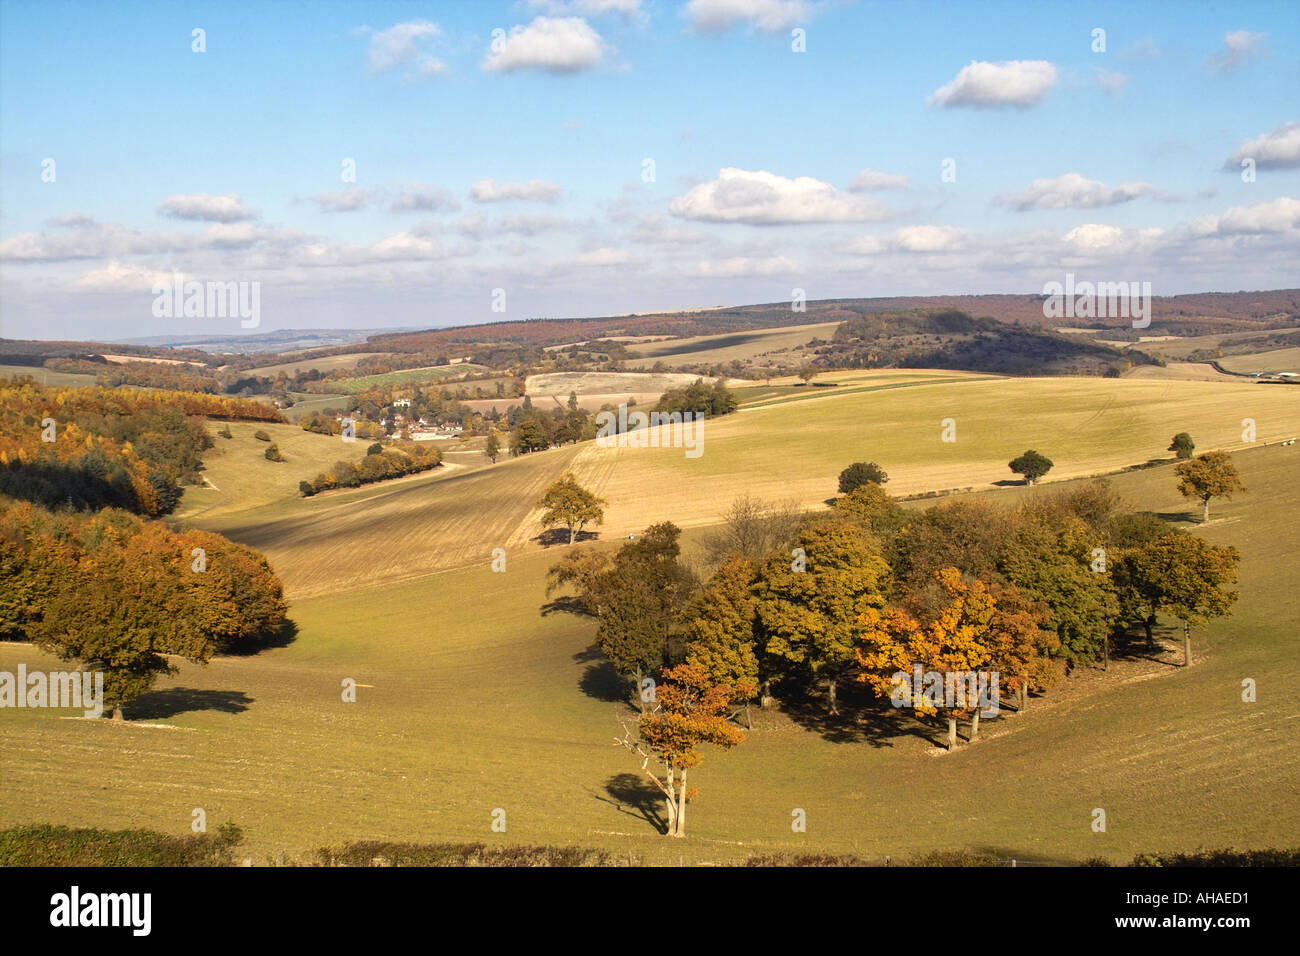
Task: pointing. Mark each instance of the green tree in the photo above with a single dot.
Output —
(1032, 465)
(1207, 476)
(1181, 574)
(809, 606)
(1182, 445)
(861, 473)
(571, 506)
(1052, 564)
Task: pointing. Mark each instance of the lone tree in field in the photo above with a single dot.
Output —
(808, 373)
(861, 473)
(1032, 465)
(690, 711)
(1207, 476)
(493, 447)
(570, 505)
(1182, 445)
(1179, 573)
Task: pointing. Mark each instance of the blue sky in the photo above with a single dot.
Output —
(522, 167)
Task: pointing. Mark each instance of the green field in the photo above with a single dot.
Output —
(470, 698)
(237, 476)
(324, 363)
(410, 376)
(46, 376)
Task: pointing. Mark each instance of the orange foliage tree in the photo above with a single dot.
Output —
(690, 711)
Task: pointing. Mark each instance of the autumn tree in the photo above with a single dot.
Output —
(1032, 465)
(1180, 574)
(1021, 644)
(809, 602)
(493, 447)
(571, 506)
(951, 646)
(718, 629)
(117, 621)
(690, 711)
(1207, 476)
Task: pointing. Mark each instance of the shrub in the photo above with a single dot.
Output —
(45, 845)
(261, 435)
(273, 453)
(224, 432)
(306, 489)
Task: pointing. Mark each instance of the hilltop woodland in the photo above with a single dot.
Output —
(956, 340)
(88, 576)
(803, 606)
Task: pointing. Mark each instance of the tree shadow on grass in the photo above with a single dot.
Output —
(636, 797)
(283, 636)
(862, 719)
(1190, 517)
(179, 700)
(553, 537)
(566, 604)
(600, 681)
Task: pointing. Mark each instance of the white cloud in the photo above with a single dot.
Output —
(1272, 216)
(604, 257)
(1238, 47)
(201, 206)
(122, 277)
(421, 198)
(770, 16)
(406, 44)
(733, 266)
(489, 190)
(244, 234)
(555, 44)
(1018, 83)
(929, 239)
(1093, 237)
(1276, 150)
(345, 200)
(763, 198)
(869, 180)
(1073, 191)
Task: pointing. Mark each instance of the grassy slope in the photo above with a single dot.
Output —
(244, 479)
(796, 449)
(480, 701)
(737, 346)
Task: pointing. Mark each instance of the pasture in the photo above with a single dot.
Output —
(471, 698)
(474, 695)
